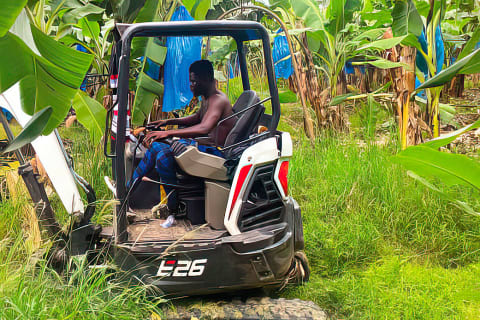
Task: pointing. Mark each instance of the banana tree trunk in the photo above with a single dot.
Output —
(403, 80)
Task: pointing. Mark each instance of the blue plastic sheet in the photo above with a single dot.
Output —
(152, 69)
(422, 63)
(7, 114)
(233, 69)
(349, 68)
(283, 69)
(81, 48)
(181, 53)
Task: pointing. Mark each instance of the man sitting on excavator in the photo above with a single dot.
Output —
(215, 106)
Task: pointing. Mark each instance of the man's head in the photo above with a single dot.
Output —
(201, 77)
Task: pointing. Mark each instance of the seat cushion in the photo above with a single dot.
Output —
(200, 164)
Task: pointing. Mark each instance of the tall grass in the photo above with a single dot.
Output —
(377, 240)
(31, 289)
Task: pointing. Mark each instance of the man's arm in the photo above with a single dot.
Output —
(209, 121)
(184, 121)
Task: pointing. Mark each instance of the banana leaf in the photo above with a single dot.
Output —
(91, 114)
(470, 45)
(447, 138)
(72, 16)
(147, 89)
(49, 80)
(383, 44)
(15, 62)
(198, 8)
(31, 131)
(383, 64)
(451, 169)
(466, 65)
(406, 19)
(8, 14)
(459, 204)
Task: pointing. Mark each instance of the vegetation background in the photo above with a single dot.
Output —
(381, 244)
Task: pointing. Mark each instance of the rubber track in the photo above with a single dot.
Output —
(252, 308)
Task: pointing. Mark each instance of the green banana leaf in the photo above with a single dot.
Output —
(383, 64)
(459, 204)
(31, 131)
(90, 29)
(147, 90)
(91, 114)
(451, 169)
(49, 80)
(466, 65)
(447, 138)
(198, 8)
(383, 44)
(470, 45)
(309, 12)
(126, 10)
(406, 19)
(341, 98)
(88, 9)
(75, 63)
(15, 61)
(8, 14)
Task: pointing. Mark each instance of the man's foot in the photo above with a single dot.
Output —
(161, 211)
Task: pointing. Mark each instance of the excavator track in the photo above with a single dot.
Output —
(251, 308)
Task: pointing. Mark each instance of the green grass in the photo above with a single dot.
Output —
(31, 290)
(381, 246)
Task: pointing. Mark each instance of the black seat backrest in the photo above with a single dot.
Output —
(247, 98)
(247, 121)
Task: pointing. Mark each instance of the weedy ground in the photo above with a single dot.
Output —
(381, 246)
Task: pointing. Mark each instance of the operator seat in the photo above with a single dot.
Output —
(204, 165)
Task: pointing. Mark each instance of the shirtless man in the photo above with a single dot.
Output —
(215, 107)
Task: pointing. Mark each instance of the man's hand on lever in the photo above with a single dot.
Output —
(153, 136)
(157, 124)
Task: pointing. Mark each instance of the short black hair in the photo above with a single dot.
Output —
(203, 69)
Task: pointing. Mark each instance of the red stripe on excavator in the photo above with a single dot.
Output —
(241, 179)
(283, 176)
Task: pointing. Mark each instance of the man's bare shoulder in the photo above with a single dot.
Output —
(220, 99)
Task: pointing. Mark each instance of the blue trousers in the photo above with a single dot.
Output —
(160, 157)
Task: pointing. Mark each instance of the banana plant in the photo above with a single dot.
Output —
(147, 88)
(58, 16)
(430, 56)
(426, 161)
(48, 78)
(334, 38)
(428, 165)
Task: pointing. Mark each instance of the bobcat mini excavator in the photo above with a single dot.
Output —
(249, 234)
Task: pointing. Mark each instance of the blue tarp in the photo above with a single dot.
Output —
(7, 114)
(233, 70)
(349, 68)
(152, 69)
(283, 69)
(440, 53)
(181, 53)
(81, 48)
(422, 63)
